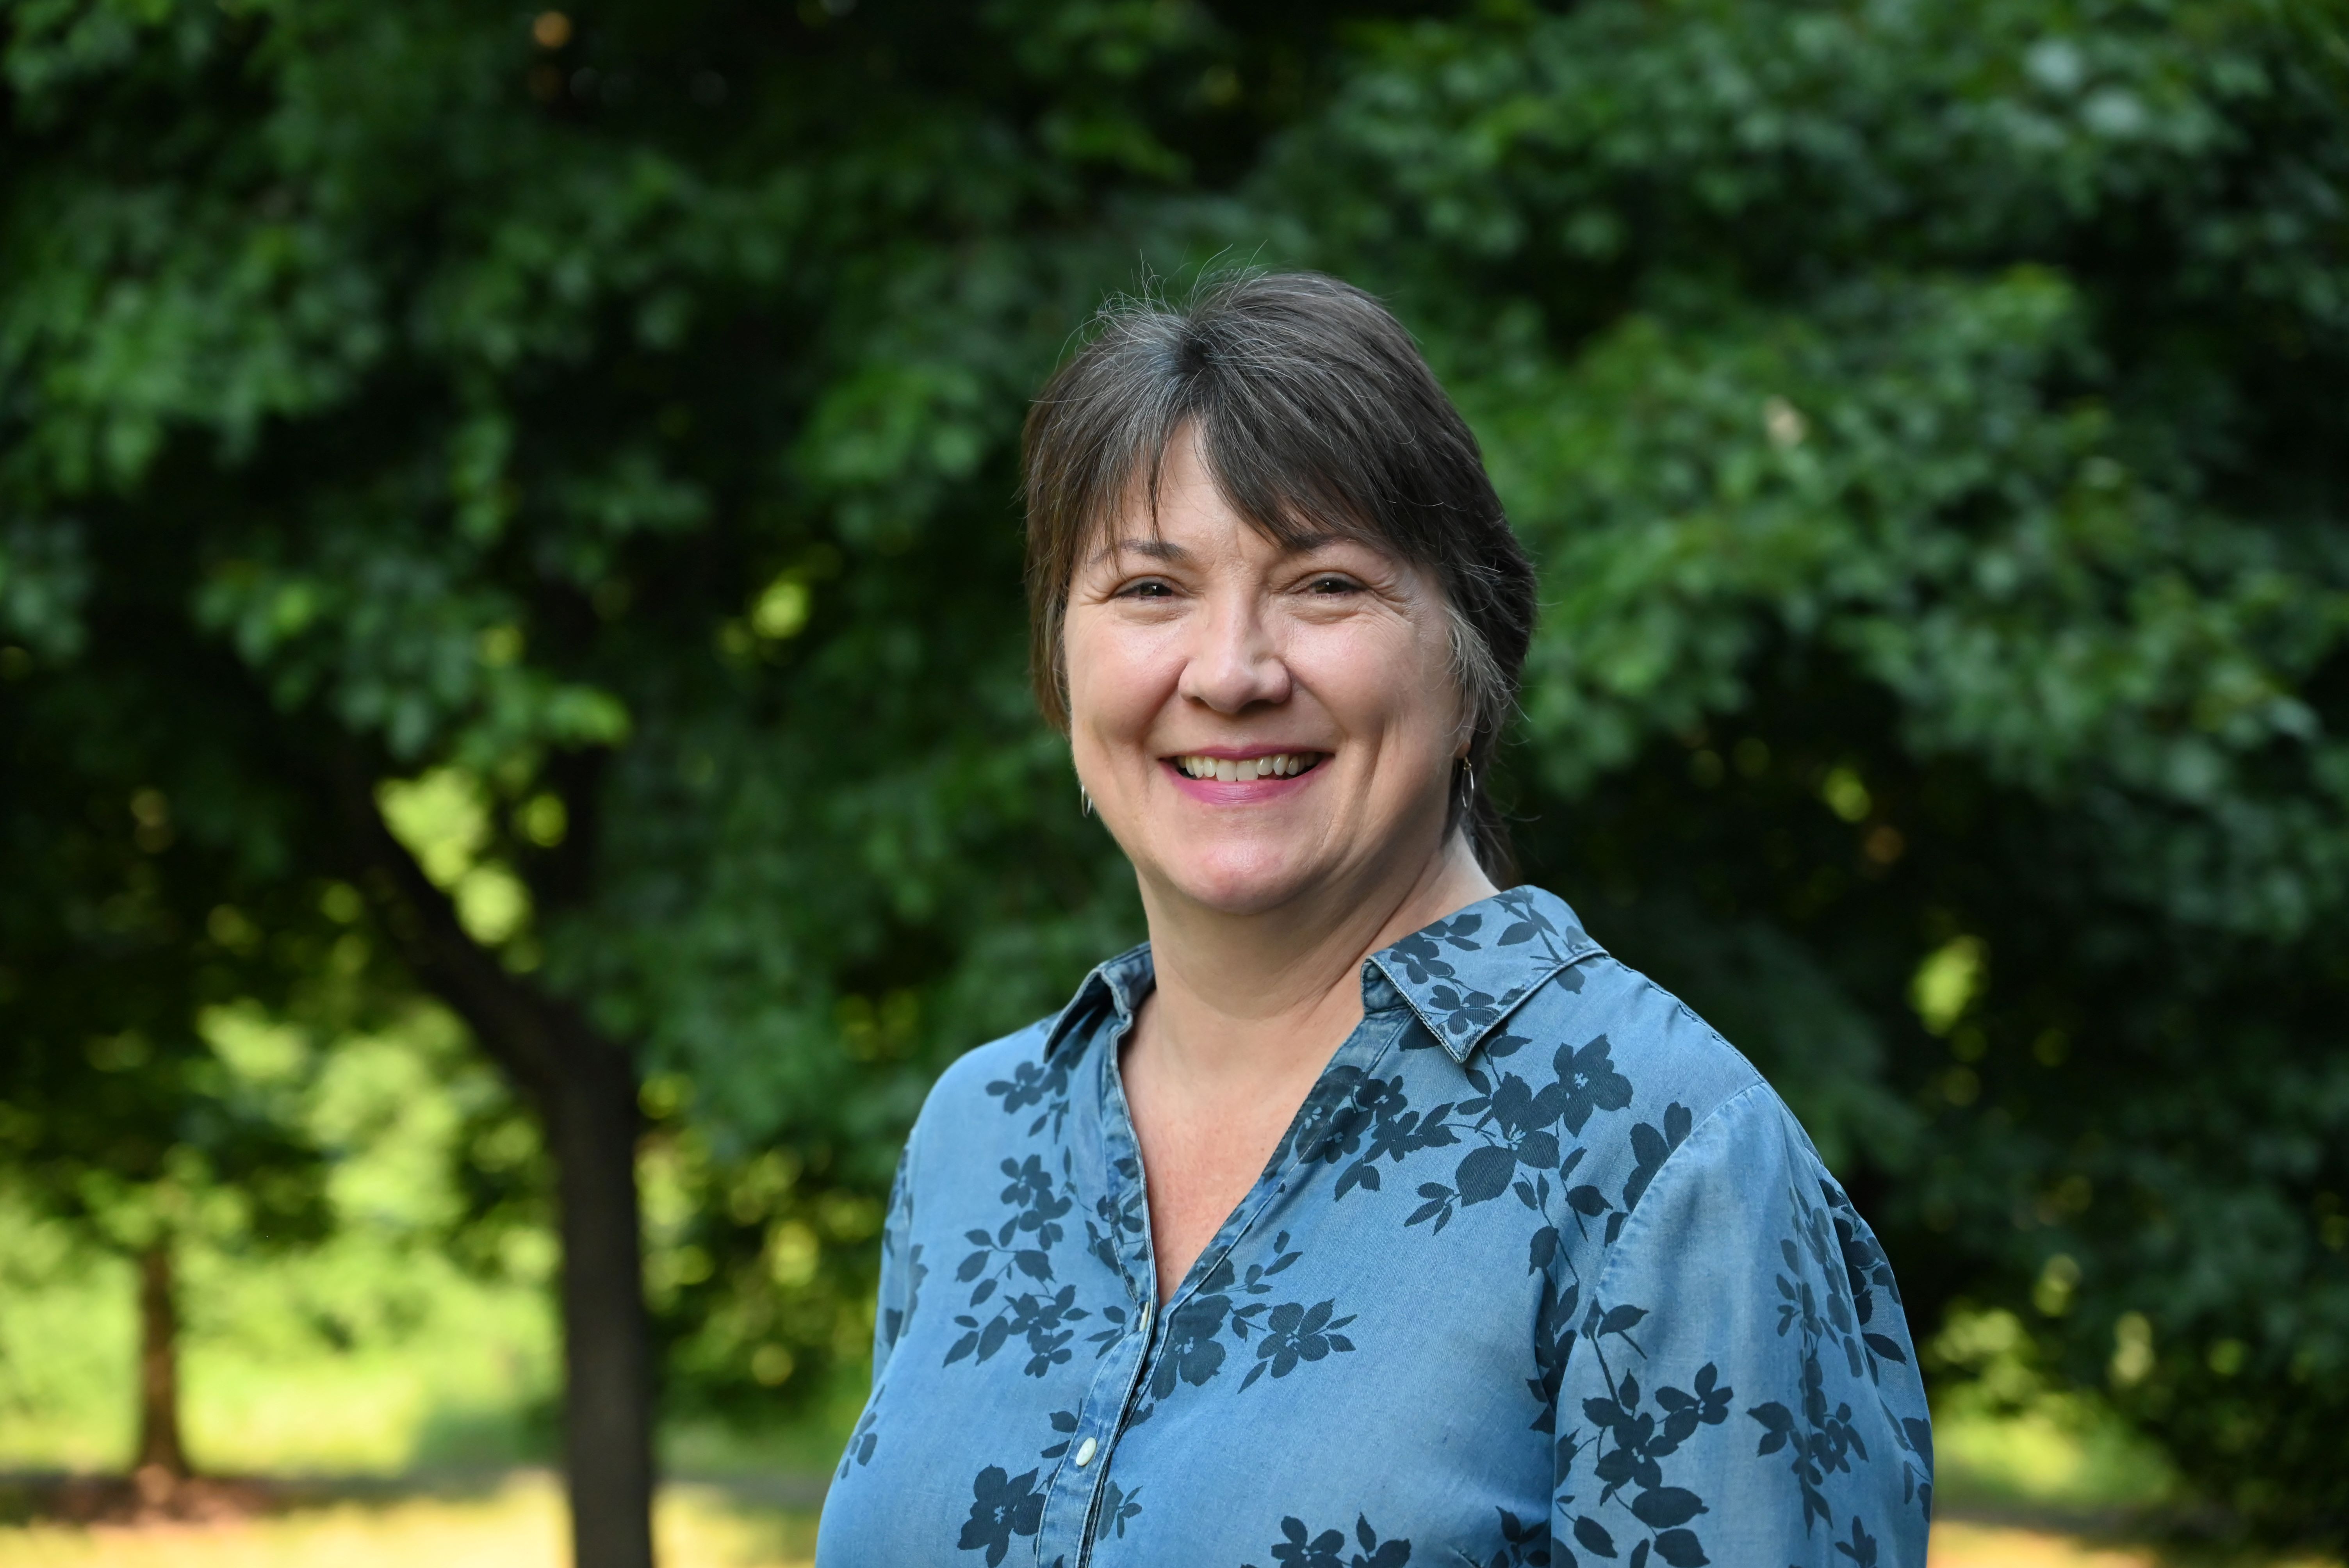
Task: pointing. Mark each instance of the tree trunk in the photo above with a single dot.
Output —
(162, 1458)
(607, 1410)
(584, 1086)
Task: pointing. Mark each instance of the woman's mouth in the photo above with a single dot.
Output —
(1247, 769)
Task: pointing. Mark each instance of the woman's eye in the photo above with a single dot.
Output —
(1334, 584)
(1149, 588)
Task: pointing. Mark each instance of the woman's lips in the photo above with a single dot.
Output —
(1203, 766)
(1237, 780)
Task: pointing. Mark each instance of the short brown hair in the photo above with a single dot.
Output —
(1314, 411)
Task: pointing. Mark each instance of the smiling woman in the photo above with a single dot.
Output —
(1367, 1216)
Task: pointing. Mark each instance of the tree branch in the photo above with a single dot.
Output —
(520, 1027)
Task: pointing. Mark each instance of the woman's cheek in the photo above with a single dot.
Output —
(1115, 692)
(1367, 674)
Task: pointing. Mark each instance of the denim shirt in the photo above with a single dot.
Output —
(1543, 1273)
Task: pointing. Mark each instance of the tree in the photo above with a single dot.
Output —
(126, 914)
(1922, 416)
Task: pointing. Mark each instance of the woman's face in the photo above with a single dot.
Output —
(1257, 723)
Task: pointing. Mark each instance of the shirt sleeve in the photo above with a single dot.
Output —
(901, 1267)
(1742, 1390)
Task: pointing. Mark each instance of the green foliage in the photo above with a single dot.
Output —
(1926, 419)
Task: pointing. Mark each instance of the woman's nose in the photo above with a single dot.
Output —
(1236, 663)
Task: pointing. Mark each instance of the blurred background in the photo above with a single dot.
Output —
(516, 770)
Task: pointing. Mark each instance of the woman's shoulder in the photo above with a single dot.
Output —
(1009, 1074)
(1007, 1084)
(1609, 1011)
(1515, 987)
(1545, 1030)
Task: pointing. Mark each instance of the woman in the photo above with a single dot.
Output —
(1369, 1216)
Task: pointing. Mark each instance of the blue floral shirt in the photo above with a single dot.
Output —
(1542, 1274)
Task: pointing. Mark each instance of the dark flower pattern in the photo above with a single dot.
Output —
(862, 1441)
(1629, 1445)
(1300, 1548)
(1295, 1333)
(1821, 1436)
(1020, 1248)
(1524, 1543)
(1001, 1507)
(1516, 1129)
(1202, 1331)
(1530, 1094)
(1032, 1083)
(1119, 1508)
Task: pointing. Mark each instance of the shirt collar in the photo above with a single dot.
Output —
(1463, 976)
(1119, 984)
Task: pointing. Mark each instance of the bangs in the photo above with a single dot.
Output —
(1278, 501)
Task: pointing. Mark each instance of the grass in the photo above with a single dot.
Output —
(1968, 1543)
(517, 1523)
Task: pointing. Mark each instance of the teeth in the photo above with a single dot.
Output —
(1285, 765)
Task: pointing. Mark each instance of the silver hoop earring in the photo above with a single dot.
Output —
(1085, 796)
(1469, 785)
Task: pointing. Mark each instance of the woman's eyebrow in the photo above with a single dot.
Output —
(1153, 548)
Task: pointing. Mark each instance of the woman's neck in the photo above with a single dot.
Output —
(1264, 999)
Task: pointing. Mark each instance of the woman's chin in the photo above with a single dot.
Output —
(1241, 885)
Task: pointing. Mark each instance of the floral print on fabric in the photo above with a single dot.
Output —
(1331, 1549)
(1001, 1507)
(1542, 1276)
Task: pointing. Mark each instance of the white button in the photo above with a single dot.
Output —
(1085, 1451)
(1142, 1324)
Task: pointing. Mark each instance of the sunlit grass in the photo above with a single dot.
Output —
(1960, 1545)
(518, 1525)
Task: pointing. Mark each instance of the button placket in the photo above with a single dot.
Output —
(1074, 1492)
(1367, 1045)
